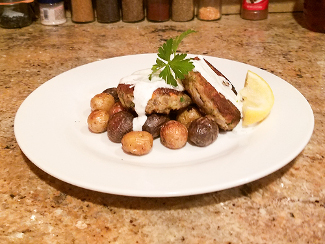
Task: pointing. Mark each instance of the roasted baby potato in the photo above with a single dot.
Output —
(187, 115)
(137, 142)
(173, 134)
(102, 101)
(154, 123)
(97, 121)
(117, 107)
(112, 91)
(203, 131)
(118, 125)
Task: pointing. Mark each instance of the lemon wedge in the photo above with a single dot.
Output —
(258, 99)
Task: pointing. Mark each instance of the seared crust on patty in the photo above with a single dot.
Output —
(211, 102)
(163, 100)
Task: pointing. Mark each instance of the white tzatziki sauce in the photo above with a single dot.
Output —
(220, 83)
(223, 86)
(143, 90)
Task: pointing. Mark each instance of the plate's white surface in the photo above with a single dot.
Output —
(51, 129)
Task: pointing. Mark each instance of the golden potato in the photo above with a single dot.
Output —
(188, 115)
(102, 101)
(173, 134)
(97, 121)
(137, 142)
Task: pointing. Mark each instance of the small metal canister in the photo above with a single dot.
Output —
(15, 14)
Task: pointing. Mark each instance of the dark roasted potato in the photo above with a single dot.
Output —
(120, 124)
(187, 115)
(112, 91)
(117, 107)
(97, 121)
(203, 131)
(102, 101)
(154, 123)
(173, 134)
(137, 142)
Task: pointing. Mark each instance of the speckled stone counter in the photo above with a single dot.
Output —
(287, 206)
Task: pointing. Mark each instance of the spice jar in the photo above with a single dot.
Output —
(107, 11)
(209, 9)
(182, 10)
(82, 11)
(52, 12)
(15, 14)
(132, 10)
(158, 10)
(254, 9)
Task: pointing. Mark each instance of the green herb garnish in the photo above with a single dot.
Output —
(175, 68)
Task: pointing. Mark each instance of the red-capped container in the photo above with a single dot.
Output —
(254, 9)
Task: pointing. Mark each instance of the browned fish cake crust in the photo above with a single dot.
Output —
(211, 102)
(163, 100)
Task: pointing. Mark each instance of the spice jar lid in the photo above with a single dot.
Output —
(10, 2)
(49, 1)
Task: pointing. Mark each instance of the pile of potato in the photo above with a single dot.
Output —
(174, 130)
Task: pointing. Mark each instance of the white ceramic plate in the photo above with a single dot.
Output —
(51, 130)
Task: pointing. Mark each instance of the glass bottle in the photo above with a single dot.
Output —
(15, 13)
(132, 10)
(314, 15)
(209, 9)
(182, 10)
(254, 10)
(158, 10)
(52, 12)
(107, 11)
(82, 11)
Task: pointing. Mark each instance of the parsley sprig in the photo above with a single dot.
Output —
(172, 66)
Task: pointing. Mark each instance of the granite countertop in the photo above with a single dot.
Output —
(287, 206)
